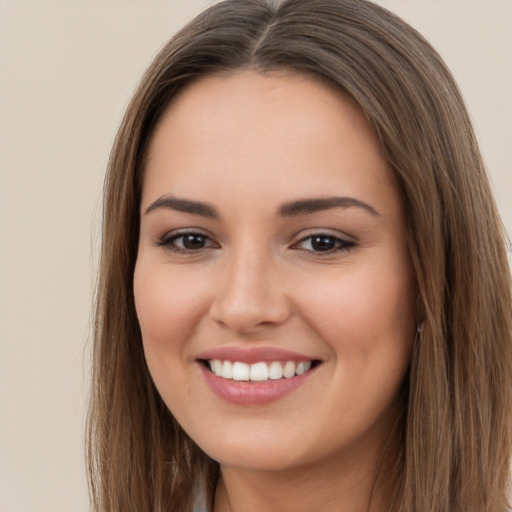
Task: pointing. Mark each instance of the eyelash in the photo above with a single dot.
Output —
(339, 244)
(169, 242)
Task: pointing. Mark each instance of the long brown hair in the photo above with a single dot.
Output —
(457, 438)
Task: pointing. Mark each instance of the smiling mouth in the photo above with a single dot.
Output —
(260, 371)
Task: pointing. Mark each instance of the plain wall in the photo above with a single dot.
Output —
(67, 70)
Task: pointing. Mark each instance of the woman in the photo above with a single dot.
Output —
(304, 298)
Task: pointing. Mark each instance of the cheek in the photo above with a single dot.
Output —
(169, 308)
(362, 312)
(368, 320)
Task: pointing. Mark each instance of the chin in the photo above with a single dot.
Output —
(258, 448)
(255, 458)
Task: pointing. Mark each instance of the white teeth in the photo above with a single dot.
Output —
(258, 371)
(289, 369)
(303, 367)
(227, 370)
(275, 370)
(240, 371)
(216, 366)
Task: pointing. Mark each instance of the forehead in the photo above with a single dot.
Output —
(249, 99)
(268, 134)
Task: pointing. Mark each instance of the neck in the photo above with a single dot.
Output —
(348, 483)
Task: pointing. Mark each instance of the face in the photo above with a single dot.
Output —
(273, 283)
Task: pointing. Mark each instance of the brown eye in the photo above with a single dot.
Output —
(324, 243)
(192, 241)
(186, 242)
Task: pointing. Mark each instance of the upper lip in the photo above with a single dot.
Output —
(253, 355)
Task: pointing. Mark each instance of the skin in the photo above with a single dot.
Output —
(245, 144)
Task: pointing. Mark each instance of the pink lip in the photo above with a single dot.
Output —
(250, 392)
(253, 355)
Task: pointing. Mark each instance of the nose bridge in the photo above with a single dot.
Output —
(249, 294)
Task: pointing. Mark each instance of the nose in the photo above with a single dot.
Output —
(251, 295)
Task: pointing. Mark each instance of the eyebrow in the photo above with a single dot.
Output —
(184, 205)
(290, 209)
(313, 205)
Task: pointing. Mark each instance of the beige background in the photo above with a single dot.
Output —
(67, 69)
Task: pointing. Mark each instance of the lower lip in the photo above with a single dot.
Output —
(253, 392)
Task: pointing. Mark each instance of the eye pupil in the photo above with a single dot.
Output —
(193, 241)
(323, 243)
